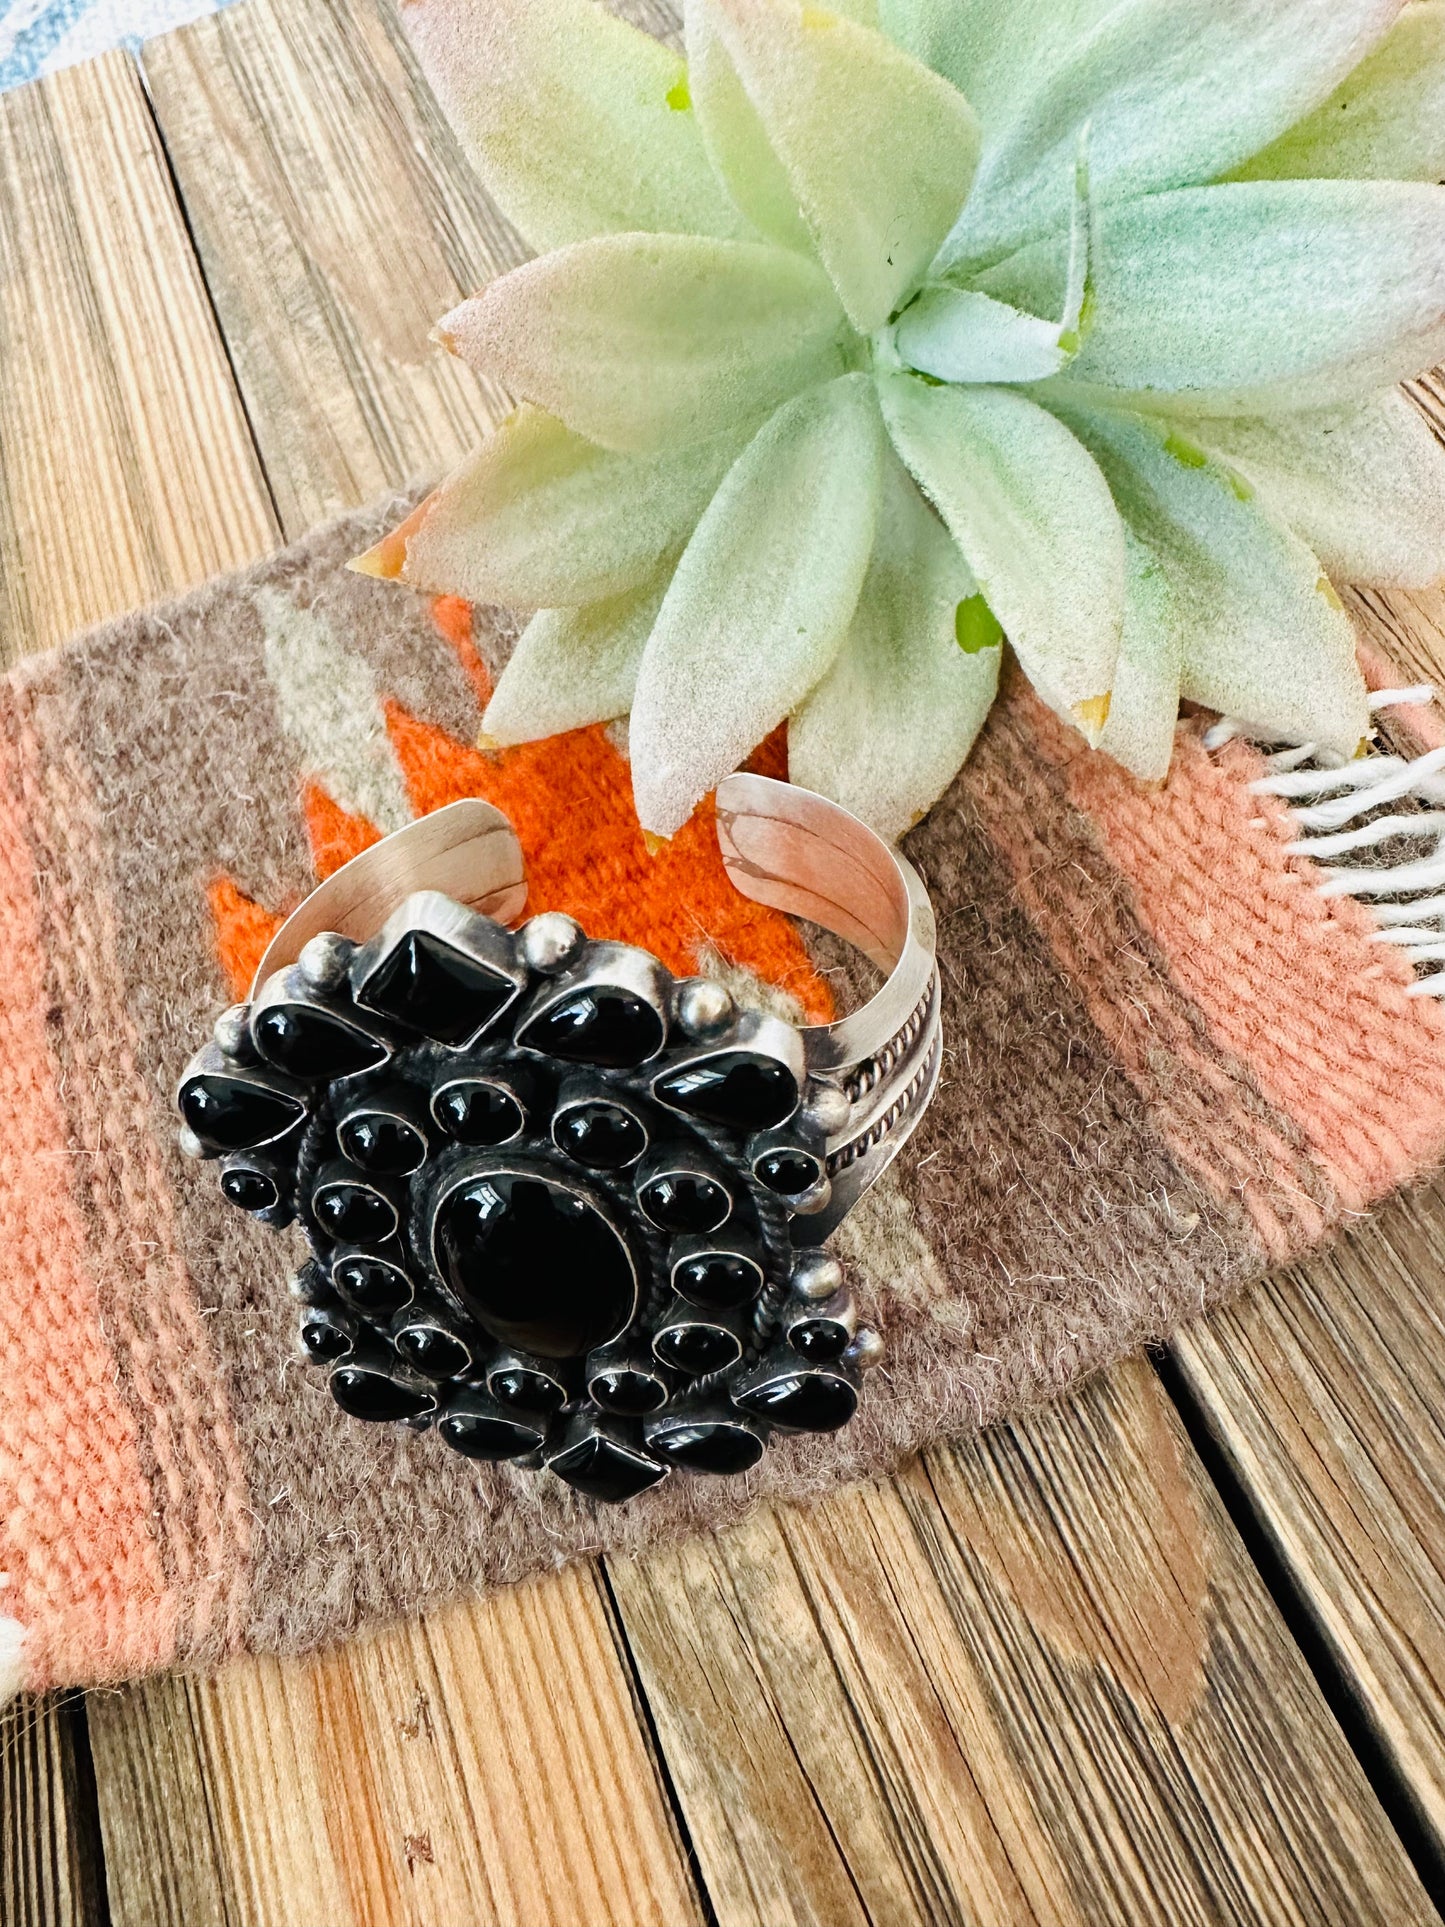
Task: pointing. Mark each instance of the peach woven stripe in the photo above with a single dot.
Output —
(176, 1388)
(1287, 979)
(1205, 1107)
(86, 1576)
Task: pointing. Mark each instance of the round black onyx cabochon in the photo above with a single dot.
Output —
(475, 1112)
(600, 1134)
(535, 1263)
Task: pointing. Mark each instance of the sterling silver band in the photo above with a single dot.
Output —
(781, 846)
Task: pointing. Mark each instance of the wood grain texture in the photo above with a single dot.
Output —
(107, 343)
(1325, 1390)
(241, 1801)
(336, 223)
(50, 1870)
(1034, 1679)
(481, 1765)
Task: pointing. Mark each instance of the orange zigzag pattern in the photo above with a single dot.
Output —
(570, 800)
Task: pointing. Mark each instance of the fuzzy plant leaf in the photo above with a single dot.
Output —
(1175, 92)
(1035, 521)
(1091, 308)
(783, 549)
(576, 121)
(1364, 486)
(648, 342)
(1263, 636)
(539, 516)
(888, 725)
(878, 151)
(572, 667)
(1384, 122)
(1256, 296)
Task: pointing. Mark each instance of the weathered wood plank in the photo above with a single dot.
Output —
(50, 1868)
(336, 222)
(1034, 1679)
(130, 370)
(106, 340)
(1326, 1391)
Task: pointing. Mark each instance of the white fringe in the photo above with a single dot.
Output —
(1334, 801)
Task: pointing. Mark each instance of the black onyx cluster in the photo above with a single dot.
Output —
(557, 1201)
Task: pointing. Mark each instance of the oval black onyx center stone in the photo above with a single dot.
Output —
(598, 1025)
(536, 1264)
(736, 1087)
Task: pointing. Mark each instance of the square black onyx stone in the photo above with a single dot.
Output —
(425, 985)
(605, 1468)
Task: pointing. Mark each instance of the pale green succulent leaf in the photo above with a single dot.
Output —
(1253, 296)
(735, 139)
(877, 149)
(538, 516)
(1144, 702)
(1385, 122)
(1363, 486)
(994, 51)
(959, 334)
(572, 667)
(1036, 524)
(889, 725)
(761, 599)
(1177, 92)
(571, 118)
(964, 335)
(646, 342)
(1264, 637)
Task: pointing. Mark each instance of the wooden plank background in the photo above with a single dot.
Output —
(1038, 1677)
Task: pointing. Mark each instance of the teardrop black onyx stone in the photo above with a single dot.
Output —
(427, 986)
(632, 1394)
(735, 1088)
(788, 1171)
(802, 1401)
(249, 1190)
(604, 1470)
(478, 1113)
(375, 1288)
(354, 1213)
(487, 1435)
(312, 1044)
(717, 1280)
(378, 1142)
(709, 1446)
(599, 1025)
(601, 1135)
(231, 1114)
(434, 1353)
(536, 1264)
(373, 1396)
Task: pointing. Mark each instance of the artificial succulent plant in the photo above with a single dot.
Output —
(861, 339)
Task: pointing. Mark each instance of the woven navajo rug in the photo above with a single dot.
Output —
(1189, 1032)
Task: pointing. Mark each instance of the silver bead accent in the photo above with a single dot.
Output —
(826, 1107)
(550, 942)
(817, 1197)
(816, 1276)
(866, 1351)
(188, 1144)
(232, 1032)
(704, 1008)
(324, 961)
